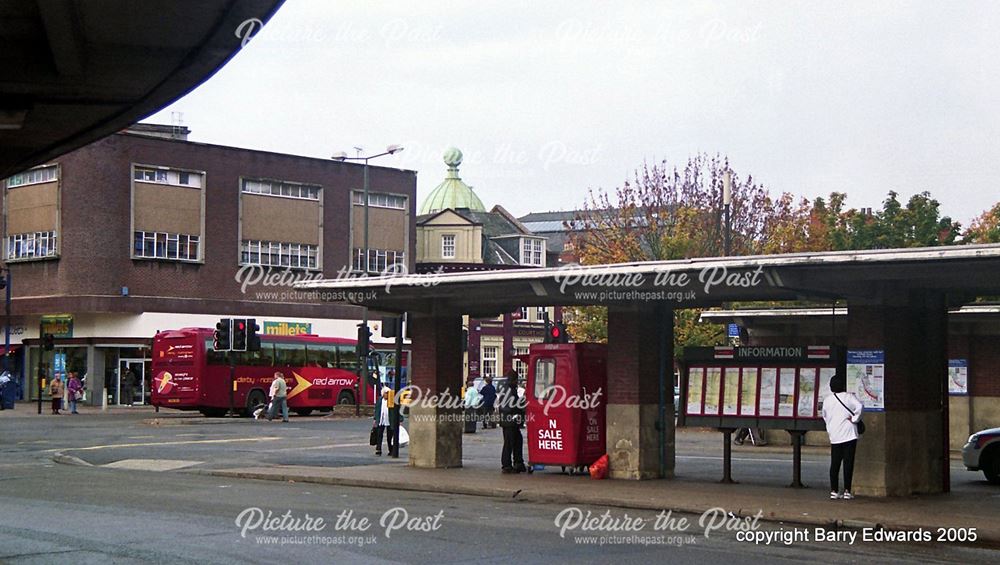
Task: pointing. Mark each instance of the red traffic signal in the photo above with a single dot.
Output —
(557, 333)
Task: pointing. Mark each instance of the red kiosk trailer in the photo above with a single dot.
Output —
(566, 405)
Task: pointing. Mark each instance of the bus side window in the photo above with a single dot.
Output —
(347, 358)
(289, 354)
(322, 355)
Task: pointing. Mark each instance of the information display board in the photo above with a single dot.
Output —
(958, 376)
(866, 377)
(773, 387)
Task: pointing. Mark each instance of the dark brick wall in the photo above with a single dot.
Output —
(633, 356)
(95, 223)
(437, 342)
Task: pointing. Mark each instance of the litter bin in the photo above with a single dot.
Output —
(8, 391)
(566, 407)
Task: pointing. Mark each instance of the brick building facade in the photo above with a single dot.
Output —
(144, 230)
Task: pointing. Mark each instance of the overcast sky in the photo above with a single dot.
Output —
(548, 99)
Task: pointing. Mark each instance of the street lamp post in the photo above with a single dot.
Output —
(727, 198)
(342, 156)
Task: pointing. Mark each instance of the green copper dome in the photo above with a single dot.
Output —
(452, 192)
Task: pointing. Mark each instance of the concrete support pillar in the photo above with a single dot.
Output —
(635, 340)
(904, 450)
(436, 430)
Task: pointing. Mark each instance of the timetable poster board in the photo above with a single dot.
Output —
(731, 392)
(825, 376)
(806, 407)
(748, 392)
(786, 392)
(696, 377)
(768, 390)
(958, 376)
(866, 377)
(713, 390)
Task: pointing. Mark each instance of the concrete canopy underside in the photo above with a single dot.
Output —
(961, 272)
(77, 71)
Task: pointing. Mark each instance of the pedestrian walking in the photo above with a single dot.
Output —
(56, 391)
(129, 392)
(382, 422)
(74, 391)
(842, 412)
(279, 397)
(489, 395)
(511, 406)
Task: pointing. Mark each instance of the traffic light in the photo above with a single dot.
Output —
(556, 333)
(223, 339)
(239, 334)
(48, 342)
(364, 338)
(253, 340)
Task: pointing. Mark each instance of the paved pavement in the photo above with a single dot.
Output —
(334, 451)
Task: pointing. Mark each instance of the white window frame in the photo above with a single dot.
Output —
(166, 175)
(151, 248)
(31, 246)
(378, 259)
(532, 252)
(380, 200)
(281, 189)
(284, 255)
(448, 242)
(520, 366)
(38, 175)
(490, 358)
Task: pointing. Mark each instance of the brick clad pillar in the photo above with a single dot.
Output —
(633, 393)
(904, 449)
(436, 431)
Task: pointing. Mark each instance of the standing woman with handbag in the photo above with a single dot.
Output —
(842, 414)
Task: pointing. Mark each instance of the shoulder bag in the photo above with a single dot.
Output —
(861, 423)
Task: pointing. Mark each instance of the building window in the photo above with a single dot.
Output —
(540, 313)
(35, 245)
(531, 252)
(163, 175)
(447, 246)
(490, 361)
(161, 245)
(279, 254)
(34, 176)
(278, 188)
(378, 259)
(381, 200)
(518, 365)
(524, 314)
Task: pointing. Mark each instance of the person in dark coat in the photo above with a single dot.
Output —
(511, 406)
(489, 400)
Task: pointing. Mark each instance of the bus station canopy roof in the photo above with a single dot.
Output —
(876, 275)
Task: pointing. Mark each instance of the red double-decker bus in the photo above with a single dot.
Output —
(188, 374)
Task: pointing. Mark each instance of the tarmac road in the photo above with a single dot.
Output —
(52, 513)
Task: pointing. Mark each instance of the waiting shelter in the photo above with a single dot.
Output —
(898, 301)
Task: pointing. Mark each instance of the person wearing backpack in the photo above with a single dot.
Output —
(842, 414)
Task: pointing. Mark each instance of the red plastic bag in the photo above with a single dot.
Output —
(599, 468)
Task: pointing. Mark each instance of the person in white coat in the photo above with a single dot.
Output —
(841, 412)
